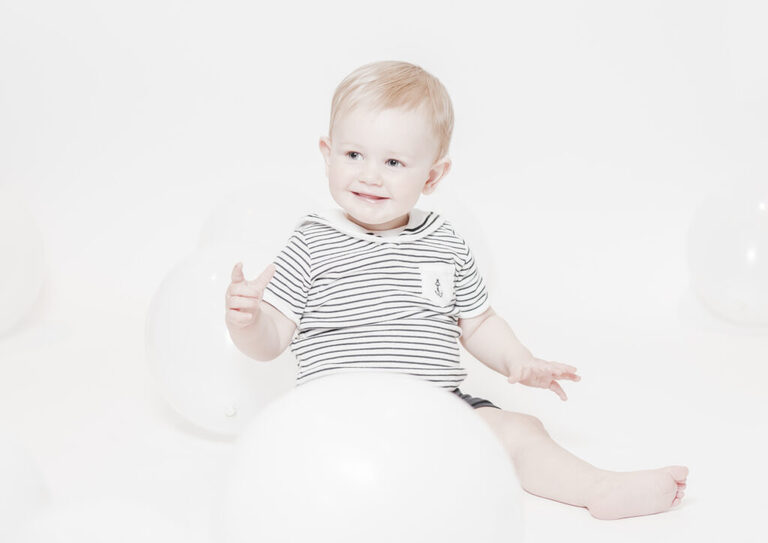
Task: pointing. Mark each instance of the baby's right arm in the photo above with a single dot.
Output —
(257, 329)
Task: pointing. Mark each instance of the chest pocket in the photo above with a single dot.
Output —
(437, 282)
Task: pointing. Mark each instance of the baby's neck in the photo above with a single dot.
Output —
(393, 225)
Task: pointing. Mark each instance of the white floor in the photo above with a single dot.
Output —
(663, 382)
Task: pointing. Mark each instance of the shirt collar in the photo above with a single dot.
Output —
(420, 224)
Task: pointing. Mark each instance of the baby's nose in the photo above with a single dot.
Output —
(371, 176)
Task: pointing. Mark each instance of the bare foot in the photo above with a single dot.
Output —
(636, 493)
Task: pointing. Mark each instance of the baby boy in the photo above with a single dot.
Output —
(380, 284)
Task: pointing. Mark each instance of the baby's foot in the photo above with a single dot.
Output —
(636, 493)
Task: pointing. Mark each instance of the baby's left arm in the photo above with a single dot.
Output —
(489, 338)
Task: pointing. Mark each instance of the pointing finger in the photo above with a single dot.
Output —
(237, 273)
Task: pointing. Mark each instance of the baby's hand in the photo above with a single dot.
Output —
(534, 372)
(243, 297)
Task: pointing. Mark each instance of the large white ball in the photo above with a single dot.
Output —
(375, 457)
(198, 369)
(101, 521)
(23, 492)
(249, 217)
(728, 253)
(21, 260)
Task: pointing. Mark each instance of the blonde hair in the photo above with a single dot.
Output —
(395, 84)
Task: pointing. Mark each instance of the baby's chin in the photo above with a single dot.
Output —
(376, 222)
(372, 218)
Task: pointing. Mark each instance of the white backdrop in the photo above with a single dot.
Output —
(586, 135)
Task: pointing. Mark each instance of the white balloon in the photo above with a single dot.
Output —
(23, 493)
(246, 217)
(728, 253)
(199, 370)
(111, 520)
(370, 456)
(21, 260)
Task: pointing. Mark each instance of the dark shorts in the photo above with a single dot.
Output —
(473, 401)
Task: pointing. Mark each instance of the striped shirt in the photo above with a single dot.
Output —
(387, 300)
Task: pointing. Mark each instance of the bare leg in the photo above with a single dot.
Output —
(547, 470)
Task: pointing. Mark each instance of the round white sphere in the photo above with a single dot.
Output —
(106, 520)
(728, 253)
(246, 217)
(21, 260)
(197, 367)
(375, 457)
(23, 492)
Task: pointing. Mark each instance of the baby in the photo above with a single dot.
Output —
(380, 284)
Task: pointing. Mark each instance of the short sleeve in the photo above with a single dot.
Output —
(288, 289)
(471, 292)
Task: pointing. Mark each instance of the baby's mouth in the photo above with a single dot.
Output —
(369, 197)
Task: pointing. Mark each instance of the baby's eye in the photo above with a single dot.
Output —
(351, 153)
(396, 162)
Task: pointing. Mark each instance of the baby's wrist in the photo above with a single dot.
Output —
(515, 361)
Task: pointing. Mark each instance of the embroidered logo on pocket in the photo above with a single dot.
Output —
(437, 282)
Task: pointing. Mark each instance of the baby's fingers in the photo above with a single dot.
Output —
(237, 273)
(261, 281)
(564, 371)
(239, 318)
(245, 289)
(557, 389)
(253, 288)
(243, 302)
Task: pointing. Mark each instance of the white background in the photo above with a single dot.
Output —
(586, 135)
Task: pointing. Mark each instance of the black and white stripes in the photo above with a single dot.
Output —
(377, 300)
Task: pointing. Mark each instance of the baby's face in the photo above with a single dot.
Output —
(389, 154)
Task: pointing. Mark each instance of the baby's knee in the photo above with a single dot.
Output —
(525, 425)
(520, 430)
(514, 429)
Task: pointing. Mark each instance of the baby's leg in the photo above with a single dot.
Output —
(547, 470)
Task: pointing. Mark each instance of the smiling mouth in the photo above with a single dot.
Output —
(368, 196)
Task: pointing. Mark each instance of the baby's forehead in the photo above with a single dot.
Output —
(418, 111)
(398, 123)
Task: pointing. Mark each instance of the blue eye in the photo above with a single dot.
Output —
(354, 155)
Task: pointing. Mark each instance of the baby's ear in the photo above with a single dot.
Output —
(436, 173)
(325, 148)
